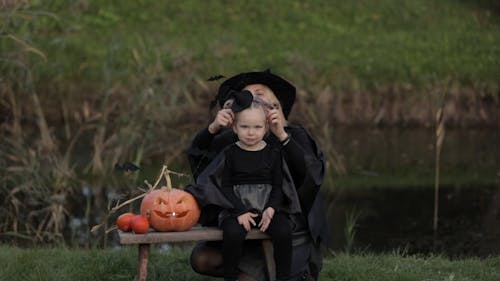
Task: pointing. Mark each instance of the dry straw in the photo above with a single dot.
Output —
(164, 174)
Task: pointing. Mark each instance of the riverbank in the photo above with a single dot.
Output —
(173, 264)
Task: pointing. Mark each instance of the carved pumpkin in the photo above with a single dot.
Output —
(170, 210)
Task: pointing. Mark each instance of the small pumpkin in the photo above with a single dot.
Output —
(139, 224)
(170, 209)
(123, 221)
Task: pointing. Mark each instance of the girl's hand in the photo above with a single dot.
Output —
(246, 219)
(267, 216)
(224, 119)
(277, 123)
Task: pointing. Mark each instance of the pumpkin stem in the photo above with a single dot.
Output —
(162, 173)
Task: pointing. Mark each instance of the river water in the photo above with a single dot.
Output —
(389, 189)
(402, 220)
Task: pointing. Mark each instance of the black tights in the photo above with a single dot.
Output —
(234, 237)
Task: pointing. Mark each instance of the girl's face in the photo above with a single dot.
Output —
(251, 126)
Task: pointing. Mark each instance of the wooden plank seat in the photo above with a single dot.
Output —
(197, 233)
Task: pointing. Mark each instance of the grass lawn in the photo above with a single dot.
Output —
(120, 264)
(328, 42)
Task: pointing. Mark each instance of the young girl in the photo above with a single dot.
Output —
(303, 174)
(252, 182)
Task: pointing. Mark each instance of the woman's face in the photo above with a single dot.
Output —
(264, 93)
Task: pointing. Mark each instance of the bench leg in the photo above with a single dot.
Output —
(267, 246)
(142, 269)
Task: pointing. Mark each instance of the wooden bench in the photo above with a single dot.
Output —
(194, 234)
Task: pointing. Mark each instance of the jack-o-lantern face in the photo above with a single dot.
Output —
(174, 210)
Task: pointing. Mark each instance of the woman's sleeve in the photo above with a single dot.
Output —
(198, 151)
(276, 196)
(306, 163)
(205, 147)
(203, 139)
(294, 156)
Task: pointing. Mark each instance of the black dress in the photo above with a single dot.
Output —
(252, 179)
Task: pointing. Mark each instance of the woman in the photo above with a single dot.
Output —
(303, 170)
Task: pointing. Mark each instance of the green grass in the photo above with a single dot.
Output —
(120, 264)
(79, 264)
(396, 268)
(342, 43)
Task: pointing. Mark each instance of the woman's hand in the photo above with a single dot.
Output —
(223, 119)
(267, 216)
(277, 123)
(246, 219)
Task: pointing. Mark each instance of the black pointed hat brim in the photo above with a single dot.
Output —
(284, 91)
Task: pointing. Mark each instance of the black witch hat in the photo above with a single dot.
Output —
(284, 91)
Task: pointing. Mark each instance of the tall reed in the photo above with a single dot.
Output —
(439, 134)
(45, 172)
(351, 221)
